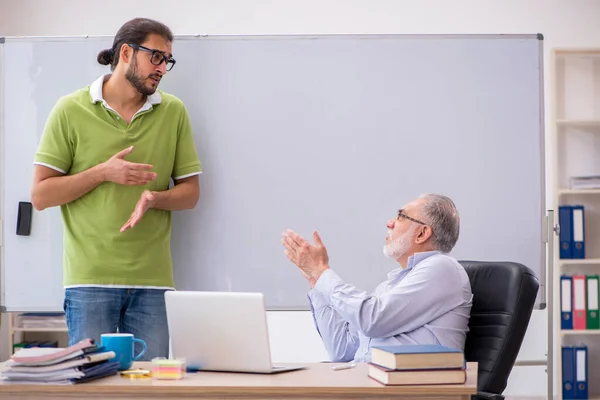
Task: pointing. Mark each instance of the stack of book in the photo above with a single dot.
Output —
(81, 362)
(584, 182)
(417, 365)
(42, 320)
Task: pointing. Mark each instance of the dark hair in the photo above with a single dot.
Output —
(135, 31)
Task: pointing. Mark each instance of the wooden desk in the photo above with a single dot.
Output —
(318, 381)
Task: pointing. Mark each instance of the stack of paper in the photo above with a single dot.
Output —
(81, 362)
(42, 320)
(585, 182)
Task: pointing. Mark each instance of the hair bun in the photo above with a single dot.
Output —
(106, 57)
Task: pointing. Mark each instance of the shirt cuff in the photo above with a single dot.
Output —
(320, 295)
(51, 161)
(190, 169)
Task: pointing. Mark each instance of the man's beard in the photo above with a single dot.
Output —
(137, 81)
(398, 248)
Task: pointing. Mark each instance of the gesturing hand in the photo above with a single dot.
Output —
(145, 202)
(311, 259)
(117, 170)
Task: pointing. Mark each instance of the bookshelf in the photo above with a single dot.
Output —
(575, 76)
(18, 333)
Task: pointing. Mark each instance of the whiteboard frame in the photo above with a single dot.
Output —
(195, 36)
(198, 36)
(546, 216)
(2, 291)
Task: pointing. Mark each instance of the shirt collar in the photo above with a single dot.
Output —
(96, 93)
(418, 257)
(412, 262)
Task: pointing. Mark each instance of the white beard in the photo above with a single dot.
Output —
(397, 249)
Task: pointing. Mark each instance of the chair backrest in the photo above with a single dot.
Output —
(504, 295)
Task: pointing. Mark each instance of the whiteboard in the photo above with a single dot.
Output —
(333, 133)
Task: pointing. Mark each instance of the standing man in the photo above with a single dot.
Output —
(106, 156)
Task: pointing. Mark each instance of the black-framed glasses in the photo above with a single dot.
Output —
(402, 215)
(157, 56)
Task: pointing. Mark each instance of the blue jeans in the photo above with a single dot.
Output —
(92, 311)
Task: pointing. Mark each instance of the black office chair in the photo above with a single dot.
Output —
(504, 294)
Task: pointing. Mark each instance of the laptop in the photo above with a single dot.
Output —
(221, 331)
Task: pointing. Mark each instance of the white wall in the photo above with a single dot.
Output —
(573, 23)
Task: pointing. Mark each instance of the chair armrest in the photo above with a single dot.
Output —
(487, 396)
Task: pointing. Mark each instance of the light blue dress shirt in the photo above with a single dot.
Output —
(428, 302)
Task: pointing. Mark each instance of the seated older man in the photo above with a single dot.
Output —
(427, 300)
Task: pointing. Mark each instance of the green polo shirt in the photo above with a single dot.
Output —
(83, 131)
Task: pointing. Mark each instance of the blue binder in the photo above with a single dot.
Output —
(565, 222)
(581, 372)
(568, 372)
(566, 302)
(578, 231)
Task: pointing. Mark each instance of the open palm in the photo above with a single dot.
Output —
(145, 202)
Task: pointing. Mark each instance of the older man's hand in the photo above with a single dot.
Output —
(311, 259)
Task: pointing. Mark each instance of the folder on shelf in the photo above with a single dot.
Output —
(579, 311)
(592, 302)
(565, 222)
(568, 372)
(581, 372)
(566, 296)
(578, 224)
